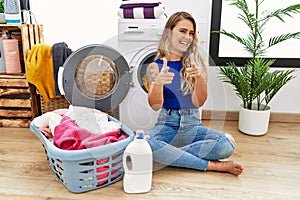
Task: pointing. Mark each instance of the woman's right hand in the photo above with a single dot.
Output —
(164, 76)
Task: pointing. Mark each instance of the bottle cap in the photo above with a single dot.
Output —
(140, 134)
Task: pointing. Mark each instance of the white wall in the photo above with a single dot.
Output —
(94, 21)
(77, 23)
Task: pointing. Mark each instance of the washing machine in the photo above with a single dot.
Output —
(111, 75)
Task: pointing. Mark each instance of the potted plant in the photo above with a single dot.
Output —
(254, 82)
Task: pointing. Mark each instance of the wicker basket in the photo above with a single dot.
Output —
(87, 169)
(53, 104)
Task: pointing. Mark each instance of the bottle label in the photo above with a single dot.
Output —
(138, 163)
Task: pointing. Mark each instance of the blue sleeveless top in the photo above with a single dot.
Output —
(173, 95)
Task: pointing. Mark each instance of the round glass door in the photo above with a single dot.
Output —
(96, 76)
(142, 69)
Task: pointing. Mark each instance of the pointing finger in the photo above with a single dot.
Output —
(192, 59)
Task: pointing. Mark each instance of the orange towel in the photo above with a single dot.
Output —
(39, 70)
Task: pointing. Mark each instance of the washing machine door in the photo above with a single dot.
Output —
(96, 76)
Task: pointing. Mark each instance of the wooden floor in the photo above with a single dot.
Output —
(272, 170)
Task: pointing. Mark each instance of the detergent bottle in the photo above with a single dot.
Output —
(2, 61)
(138, 164)
(11, 54)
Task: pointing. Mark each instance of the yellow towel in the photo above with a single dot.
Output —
(39, 70)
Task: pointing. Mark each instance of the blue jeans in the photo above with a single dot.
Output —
(179, 139)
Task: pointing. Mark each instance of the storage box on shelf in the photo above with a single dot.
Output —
(15, 104)
(18, 98)
(27, 36)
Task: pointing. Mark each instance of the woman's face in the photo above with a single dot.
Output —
(182, 36)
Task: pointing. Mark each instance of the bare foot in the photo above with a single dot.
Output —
(226, 166)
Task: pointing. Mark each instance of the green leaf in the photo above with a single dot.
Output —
(277, 80)
(281, 13)
(277, 39)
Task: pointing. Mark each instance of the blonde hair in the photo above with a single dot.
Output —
(187, 83)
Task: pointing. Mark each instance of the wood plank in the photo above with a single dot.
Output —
(13, 82)
(36, 34)
(285, 117)
(41, 33)
(22, 197)
(35, 101)
(31, 36)
(25, 41)
(15, 103)
(15, 113)
(234, 116)
(13, 76)
(20, 123)
(13, 91)
(220, 115)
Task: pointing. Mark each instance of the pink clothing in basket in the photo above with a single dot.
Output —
(68, 136)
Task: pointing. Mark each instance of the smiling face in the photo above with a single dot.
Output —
(182, 36)
(179, 38)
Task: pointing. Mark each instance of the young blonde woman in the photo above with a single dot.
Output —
(177, 81)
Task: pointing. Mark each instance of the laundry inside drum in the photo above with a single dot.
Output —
(96, 76)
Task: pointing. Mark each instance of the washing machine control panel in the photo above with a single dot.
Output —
(140, 29)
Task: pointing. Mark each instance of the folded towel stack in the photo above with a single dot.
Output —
(141, 9)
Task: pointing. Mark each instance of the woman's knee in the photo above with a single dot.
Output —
(226, 147)
(229, 146)
(231, 139)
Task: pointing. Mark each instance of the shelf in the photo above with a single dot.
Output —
(18, 99)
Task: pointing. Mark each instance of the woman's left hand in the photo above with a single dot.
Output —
(193, 70)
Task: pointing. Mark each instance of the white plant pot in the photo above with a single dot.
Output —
(254, 122)
(2, 18)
